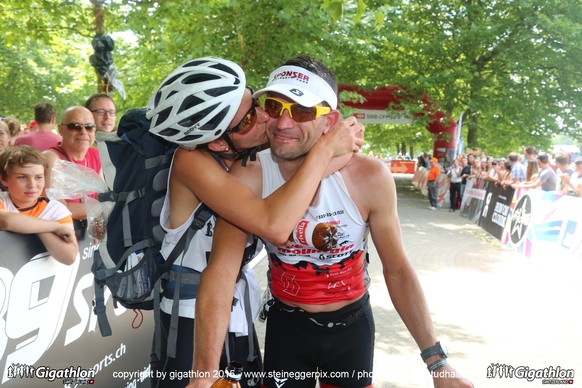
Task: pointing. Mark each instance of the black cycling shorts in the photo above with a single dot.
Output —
(337, 347)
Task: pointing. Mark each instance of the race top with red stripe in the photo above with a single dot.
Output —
(301, 273)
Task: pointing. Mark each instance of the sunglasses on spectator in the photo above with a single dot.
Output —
(103, 112)
(79, 126)
(248, 121)
(275, 107)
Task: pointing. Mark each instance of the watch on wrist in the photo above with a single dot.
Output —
(435, 350)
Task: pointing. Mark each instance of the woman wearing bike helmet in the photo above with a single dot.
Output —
(206, 107)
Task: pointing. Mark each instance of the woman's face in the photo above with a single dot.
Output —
(256, 134)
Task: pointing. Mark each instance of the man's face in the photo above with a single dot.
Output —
(25, 184)
(77, 138)
(289, 139)
(104, 114)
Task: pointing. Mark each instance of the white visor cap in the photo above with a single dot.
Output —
(300, 85)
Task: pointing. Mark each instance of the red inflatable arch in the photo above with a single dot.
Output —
(374, 111)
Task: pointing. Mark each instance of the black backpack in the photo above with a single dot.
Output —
(136, 165)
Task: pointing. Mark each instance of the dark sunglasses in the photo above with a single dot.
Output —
(275, 107)
(79, 126)
(248, 121)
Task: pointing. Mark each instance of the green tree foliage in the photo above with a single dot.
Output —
(511, 67)
(44, 54)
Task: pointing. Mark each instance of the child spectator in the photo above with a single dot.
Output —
(24, 210)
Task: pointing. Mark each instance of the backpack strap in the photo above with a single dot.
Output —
(249, 316)
(201, 216)
(99, 309)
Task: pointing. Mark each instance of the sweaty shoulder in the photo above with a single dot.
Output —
(369, 181)
(365, 168)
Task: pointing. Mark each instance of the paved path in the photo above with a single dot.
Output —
(489, 304)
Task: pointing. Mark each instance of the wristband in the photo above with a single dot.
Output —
(435, 350)
(437, 364)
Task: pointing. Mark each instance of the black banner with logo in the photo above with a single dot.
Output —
(48, 333)
(496, 209)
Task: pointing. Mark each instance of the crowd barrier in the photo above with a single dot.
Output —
(536, 223)
(48, 332)
(402, 166)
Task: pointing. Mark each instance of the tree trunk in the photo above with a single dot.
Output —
(472, 121)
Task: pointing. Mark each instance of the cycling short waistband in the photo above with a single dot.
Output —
(345, 316)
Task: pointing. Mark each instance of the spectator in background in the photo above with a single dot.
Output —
(546, 179)
(422, 161)
(77, 128)
(31, 127)
(528, 154)
(43, 137)
(454, 174)
(517, 173)
(503, 172)
(491, 174)
(13, 128)
(4, 143)
(573, 183)
(24, 210)
(103, 109)
(485, 165)
(467, 167)
(563, 161)
(531, 170)
(4, 136)
(432, 183)
(477, 175)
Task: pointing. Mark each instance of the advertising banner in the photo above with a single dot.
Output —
(545, 225)
(496, 209)
(48, 332)
(473, 199)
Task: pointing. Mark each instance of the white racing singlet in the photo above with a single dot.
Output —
(196, 257)
(303, 274)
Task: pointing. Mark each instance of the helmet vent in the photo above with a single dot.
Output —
(197, 117)
(169, 132)
(226, 69)
(199, 78)
(216, 92)
(170, 81)
(190, 102)
(214, 123)
(163, 115)
(193, 63)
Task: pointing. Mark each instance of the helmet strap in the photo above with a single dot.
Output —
(244, 155)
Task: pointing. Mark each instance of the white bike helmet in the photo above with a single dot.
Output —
(196, 103)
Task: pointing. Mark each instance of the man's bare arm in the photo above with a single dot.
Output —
(377, 197)
(214, 300)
